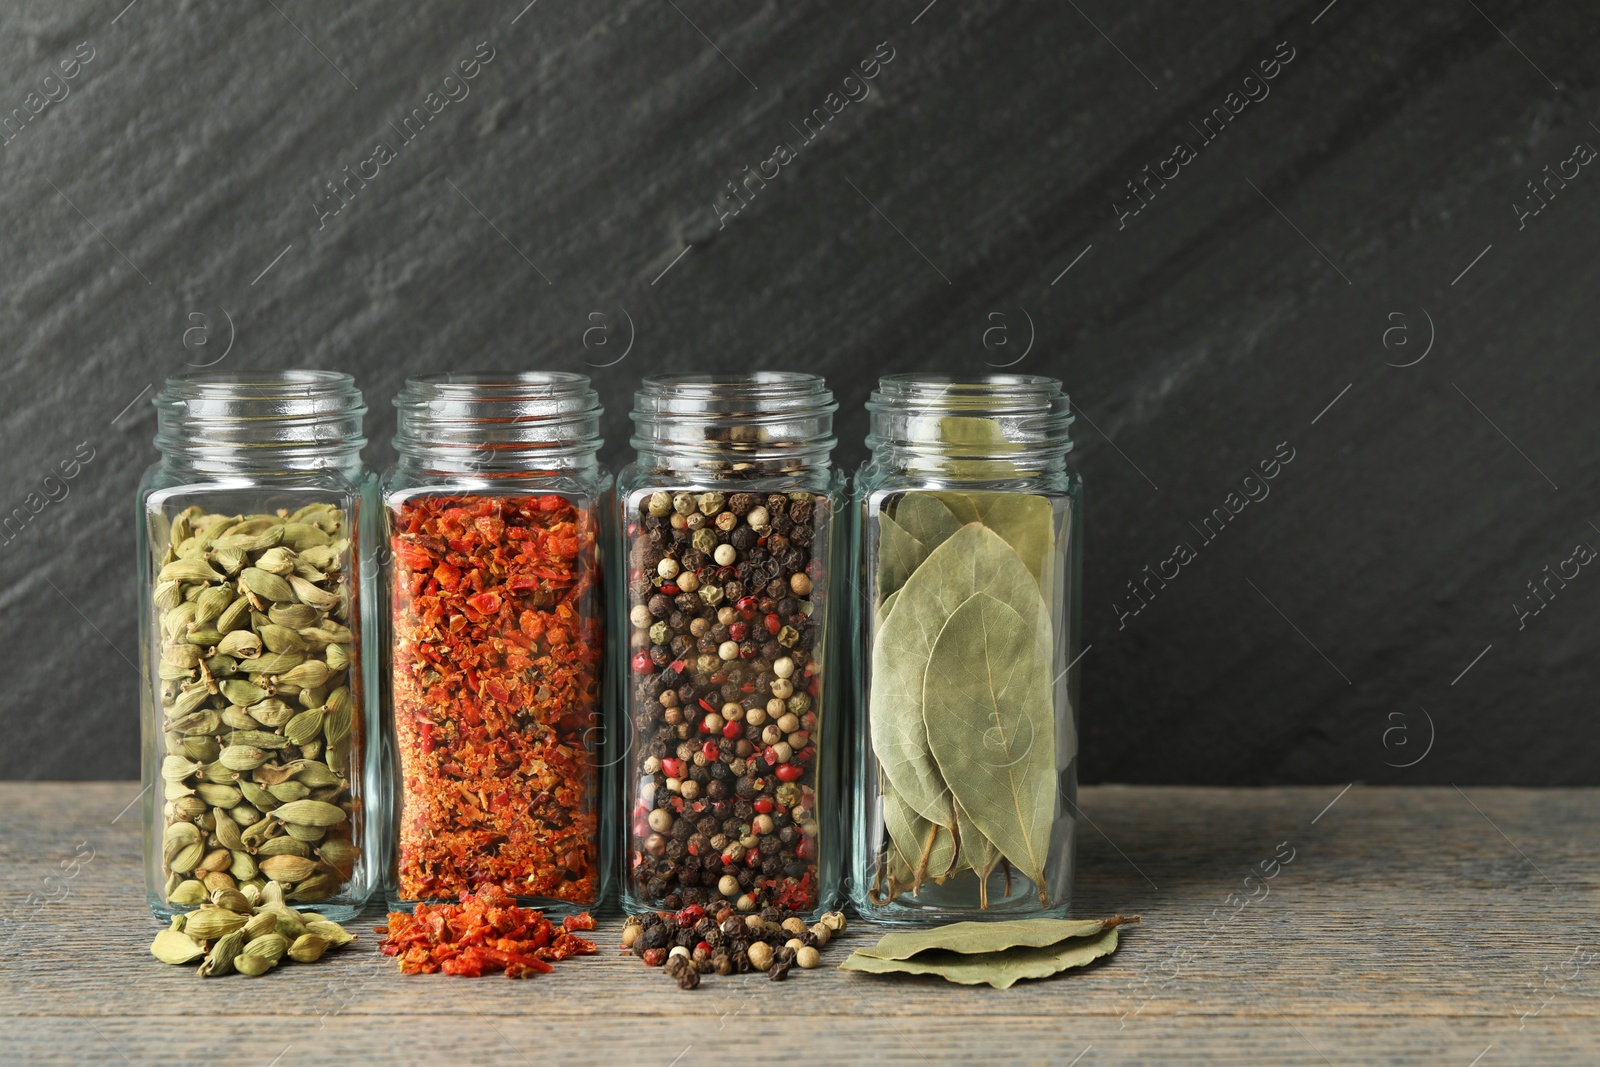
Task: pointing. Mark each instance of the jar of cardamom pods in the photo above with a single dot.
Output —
(251, 530)
(729, 643)
(969, 527)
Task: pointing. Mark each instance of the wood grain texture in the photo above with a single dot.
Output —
(598, 143)
(1405, 930)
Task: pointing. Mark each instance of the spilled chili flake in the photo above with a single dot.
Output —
(497, 649)
(486, 933)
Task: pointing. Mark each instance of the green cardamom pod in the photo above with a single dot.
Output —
(237, 718)
(288, 868)
(302, 728)
(310, 673)
(331, 932)
(301, 536)
(235, 617)
(186, 570)
(252, 966)
(212, 602)
(188, 894)
(317, 887)
(272, 662)
(244, 757)
(312, 595)
(310, 813)
(170, 946)
(283, 846)
(240, 643)
(219, 961)
(308, 948)
(258, 795)
(212, 922)
(266, 585)
(231, 560)
(242, 866)
(294, 616)
(271, 712)
(242, 693)
(218, 796)
(258, 738)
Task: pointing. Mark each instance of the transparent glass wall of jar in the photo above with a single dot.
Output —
(257, 662)
(495, 673)
(730, 645)
(966, 685)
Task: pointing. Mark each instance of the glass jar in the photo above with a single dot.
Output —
(728, 525)
(967, 611)
(255, 712)
(493, 708)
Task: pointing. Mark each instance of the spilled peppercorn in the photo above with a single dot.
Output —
(690, 943)
(726, 602)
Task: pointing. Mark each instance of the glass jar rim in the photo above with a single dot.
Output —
(497, 420)
(935, 417)
(705, 421)
(260, 420)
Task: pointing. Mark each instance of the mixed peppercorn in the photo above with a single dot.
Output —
(693, 942)
(498, 642)
(725, 599)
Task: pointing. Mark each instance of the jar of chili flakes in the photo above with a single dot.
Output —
(728, 527)
(497, 643)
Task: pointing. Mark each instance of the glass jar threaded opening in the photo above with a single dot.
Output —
(768, 422)
(260, 421)
(928, 420)
(493, 422)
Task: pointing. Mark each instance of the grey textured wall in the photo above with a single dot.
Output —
(1360, 234)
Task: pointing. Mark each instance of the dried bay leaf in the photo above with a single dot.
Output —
(1002, 969)
(1025, 521)
(899, 553)
(924, 849)
(925, 517)
(973, 558)
(978, 937)
(990, 721)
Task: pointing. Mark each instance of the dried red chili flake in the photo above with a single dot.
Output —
(497, 650)
(486, 933)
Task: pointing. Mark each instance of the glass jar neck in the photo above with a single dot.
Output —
(274, 422)
(498, 425)
(710, 426)
(998, 427)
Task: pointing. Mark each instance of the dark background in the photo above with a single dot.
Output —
(1322, 637)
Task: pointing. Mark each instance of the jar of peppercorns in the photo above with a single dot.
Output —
(255, 531)
(496, 613)
(966, 676)
(730, 540)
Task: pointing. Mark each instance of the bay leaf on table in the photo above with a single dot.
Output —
(1002, 969)
(990, 721)
(978, 937)
(971, 559)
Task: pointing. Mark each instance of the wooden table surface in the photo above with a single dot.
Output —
(1411, 926)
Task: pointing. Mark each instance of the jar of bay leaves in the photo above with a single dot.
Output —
(967, 609)
(250, 534)
(730, 527)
